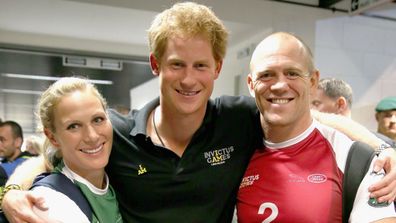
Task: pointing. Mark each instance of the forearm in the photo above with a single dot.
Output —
(386, 220)
(25, 173)
(352, 129)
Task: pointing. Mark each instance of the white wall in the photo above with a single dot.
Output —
(144, 93)
(299, 20)
(361, 51)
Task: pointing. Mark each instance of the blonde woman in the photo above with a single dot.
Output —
(79, 139)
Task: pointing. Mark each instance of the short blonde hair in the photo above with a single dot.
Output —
(50, 99)
(187, 19)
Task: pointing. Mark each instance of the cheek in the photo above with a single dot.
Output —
(109, 135)
(260, 88)
(68, 141)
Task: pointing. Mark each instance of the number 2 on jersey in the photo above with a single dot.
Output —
(272, 207)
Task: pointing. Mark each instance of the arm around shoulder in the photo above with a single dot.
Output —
(386, 220)
(17, 205)
(25, 173)
(352, 129)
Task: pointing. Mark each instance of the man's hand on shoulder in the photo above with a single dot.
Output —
(385, 189)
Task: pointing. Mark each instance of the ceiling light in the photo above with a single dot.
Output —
(92, 62)
(17, 91)
(50, 78)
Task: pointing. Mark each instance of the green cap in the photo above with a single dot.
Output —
(386, 104)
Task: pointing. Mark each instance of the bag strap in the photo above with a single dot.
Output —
(357, 165)
(61, 183)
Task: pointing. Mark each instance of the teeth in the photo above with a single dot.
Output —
(92, 151)
(280, 101)
(188, 93)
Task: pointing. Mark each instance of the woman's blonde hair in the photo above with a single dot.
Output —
(48, 102)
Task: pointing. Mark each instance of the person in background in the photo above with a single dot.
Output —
(78, 145)
(335, 96)
(302, 160)
(11, 139)
(386, 117)
(33, 145)
(182, 156)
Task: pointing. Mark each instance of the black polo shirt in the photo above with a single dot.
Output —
(153, 184)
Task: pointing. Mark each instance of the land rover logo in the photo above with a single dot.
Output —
(317, 178)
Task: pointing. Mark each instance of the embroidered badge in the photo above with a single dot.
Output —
(142, 170)
(218, 156)
(372, 201)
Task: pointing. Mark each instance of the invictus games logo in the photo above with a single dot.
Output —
(218, 156)
(249, 180)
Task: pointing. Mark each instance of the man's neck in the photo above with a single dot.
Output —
(175, 130)
(280, 133)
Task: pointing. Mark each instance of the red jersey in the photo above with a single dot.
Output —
(299, 180)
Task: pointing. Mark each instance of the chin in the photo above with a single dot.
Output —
(275, 119)
(98, 164)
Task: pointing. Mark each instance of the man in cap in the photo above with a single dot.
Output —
(386, 117)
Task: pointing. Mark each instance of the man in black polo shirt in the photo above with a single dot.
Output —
(182, 156)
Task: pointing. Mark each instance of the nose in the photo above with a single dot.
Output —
(188, 79)
(280, 83)
(393, 118)
(91, 134)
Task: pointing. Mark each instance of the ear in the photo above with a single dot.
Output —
(314, 79)
(219, 65)
(154, 65)
(250, 84)
(51, 138)
(18, 142)
(342, 104)
(377, 116)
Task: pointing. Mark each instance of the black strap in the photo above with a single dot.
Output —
(61, 183)
(357, 165)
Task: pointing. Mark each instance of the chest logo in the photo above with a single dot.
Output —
(218, 156)
(142, 170)
(249, 180)
(317, 178)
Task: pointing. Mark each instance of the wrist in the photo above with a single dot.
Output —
(5, 189)
(382, 147)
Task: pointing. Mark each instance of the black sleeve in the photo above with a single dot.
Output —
(3, 176)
